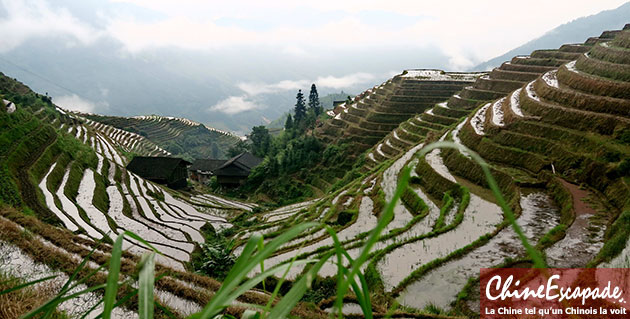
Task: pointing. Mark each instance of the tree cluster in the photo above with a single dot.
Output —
(288, 153)
(305, 115)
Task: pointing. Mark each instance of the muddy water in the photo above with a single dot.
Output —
(456, 138)
(422, 227)
(230, 203)
(162, 217)
(19, 264)
(347, 309)
(288, 211)
(171, 233)
(72, 211)
(434, 159)
(480, 218)
(365, 222)
(84, 199)
(389, 183)
(191, 211)
(584, 238)
(177, 250)
(99, 166)
(441, 285)
(50, 202)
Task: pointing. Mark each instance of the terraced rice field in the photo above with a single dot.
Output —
(526, 119)
(97, 198)
(552, 126)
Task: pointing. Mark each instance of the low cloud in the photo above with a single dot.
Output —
(256, 88)
(36, 18)
(344, 81)
(76, 103)
(332, 82)
(237, 104)
(234, 104)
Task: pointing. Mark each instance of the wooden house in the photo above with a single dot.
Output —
(234, 171)
(203, 169)
(169, 171)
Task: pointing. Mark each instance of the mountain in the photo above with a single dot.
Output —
(64, 183)
(572, 32)
(552, 128)
(178, 136)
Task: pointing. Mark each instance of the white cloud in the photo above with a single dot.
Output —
(237, 104)
(333, 82)
(468, 32)
(76, 103)
(344, 81)
(234, 104)
(256, 88)
(35, 18)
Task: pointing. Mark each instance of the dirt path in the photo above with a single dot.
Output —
(584, 238)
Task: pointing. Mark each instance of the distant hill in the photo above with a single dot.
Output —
(575, 31)
(179, 136)
(326, 101)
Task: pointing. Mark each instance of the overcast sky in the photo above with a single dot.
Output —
(467, 32)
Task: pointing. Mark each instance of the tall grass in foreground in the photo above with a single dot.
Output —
(255, 252)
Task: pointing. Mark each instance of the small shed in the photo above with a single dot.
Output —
(201, 170)
(234, 172)
(169, 171)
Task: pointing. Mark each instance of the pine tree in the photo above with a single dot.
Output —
(300, 109)
(313, 101)
(261, 140)
(288, 124)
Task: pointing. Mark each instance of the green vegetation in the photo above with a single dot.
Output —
(183, 139)
(296, 164)
(216, 257)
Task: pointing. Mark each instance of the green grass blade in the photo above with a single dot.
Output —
(166, 311)
(141, 240)
(385, 219)
(284, 306)
(77, 270)
(261, 245)
(87, 313)
(53, 303)
(251, 283)
(145, 287)
(112, 277)
(24, 285)
(120, 302)
(244, 264)
(276, 289)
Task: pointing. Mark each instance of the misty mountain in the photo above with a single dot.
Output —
(572, 32)
(102, 78)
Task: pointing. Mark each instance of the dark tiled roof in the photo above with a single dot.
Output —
(155, 167)
(207, 165)
(239, 165)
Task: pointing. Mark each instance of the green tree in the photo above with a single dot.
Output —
(313, 101)
(300, 109)
(261, 140)
(214, 150)
(238, 148)
(288, 124)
